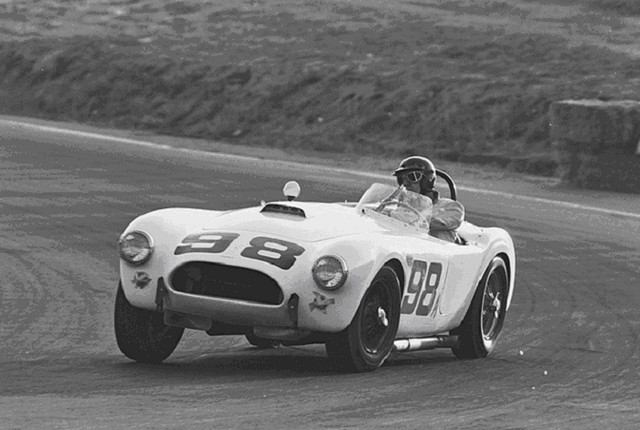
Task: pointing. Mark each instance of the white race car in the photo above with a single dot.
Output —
(365, 279)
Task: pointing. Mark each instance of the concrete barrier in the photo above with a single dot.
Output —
(598, 143)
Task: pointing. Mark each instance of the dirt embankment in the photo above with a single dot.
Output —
(324, 76)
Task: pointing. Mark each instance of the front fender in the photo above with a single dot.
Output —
(364, 259)
(166, 227)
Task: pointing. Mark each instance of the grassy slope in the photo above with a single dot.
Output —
(461, 80)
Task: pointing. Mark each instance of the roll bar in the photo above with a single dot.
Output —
(453, 192)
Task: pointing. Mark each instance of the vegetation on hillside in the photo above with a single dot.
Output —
(623, 7)
(343, 79)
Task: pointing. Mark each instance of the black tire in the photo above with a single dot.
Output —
(483, 322)
(366, 343)
(262, 342)
(141, 334)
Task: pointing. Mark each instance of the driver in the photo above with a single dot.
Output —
(418, 174)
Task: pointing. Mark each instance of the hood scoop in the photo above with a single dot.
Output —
(283, 209)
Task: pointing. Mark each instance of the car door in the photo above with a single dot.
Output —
(424, 286)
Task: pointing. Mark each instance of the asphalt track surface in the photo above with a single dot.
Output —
(569, 356)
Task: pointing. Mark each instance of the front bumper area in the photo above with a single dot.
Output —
(227, 311)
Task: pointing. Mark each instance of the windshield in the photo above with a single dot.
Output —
(398, 203)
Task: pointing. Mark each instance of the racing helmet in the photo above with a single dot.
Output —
(423, 167)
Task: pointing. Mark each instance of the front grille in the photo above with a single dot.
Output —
(229, 282)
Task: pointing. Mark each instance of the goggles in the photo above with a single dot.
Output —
(413, 176)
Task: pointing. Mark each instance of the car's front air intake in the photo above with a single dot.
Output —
(229, 282)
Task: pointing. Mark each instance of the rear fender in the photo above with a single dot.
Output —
(498, 244)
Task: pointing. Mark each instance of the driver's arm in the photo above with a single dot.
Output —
(447, 215)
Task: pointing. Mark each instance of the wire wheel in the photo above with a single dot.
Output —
(367, 342)
(374, 326)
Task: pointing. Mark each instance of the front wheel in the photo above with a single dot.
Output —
(141, 334)
(367, 342)
(482, 325)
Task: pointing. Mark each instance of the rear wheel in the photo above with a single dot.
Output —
(141, 334)
(367, 342)
(483, 323)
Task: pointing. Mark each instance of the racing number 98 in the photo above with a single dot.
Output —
(421, 291)
(279, 253)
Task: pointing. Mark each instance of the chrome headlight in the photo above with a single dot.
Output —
(330, 272)
(135, 247)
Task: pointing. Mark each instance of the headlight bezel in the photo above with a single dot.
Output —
(324, 284)
(131, 260)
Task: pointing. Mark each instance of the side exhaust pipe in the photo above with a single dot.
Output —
(406, 345)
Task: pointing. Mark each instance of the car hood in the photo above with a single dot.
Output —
(309, 222)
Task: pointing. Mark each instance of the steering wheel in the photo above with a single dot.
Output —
(403, 205)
